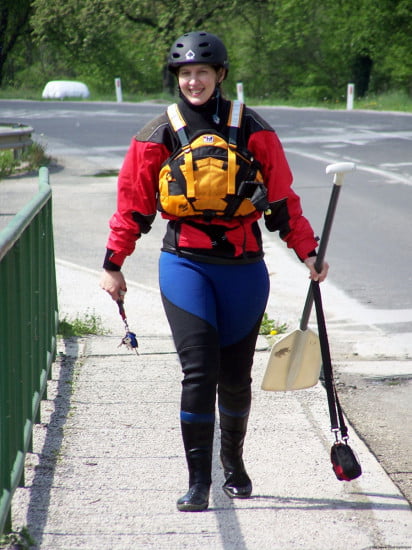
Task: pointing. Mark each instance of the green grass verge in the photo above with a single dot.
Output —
(88, 323)
(389, 101)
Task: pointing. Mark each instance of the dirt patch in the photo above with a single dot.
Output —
(379, 409)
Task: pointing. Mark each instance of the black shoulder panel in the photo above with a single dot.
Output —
(252, 123)
(255, 122)
(158, 130)
(154, 130)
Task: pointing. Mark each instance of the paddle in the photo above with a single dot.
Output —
(295, 360)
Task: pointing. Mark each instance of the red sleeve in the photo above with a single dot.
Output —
(286, 211)
(137, 190)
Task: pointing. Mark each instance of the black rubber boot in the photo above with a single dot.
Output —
(233, 431)
(197, 497)
(195, 500)
(199, 462)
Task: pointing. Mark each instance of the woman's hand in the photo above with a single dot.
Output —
(113, 282)
(314, 275)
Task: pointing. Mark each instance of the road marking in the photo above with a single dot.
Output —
(391, 176)
(395, 164)
(361, 137)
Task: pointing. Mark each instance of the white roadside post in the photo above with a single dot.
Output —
(118, 86)
(349, 96)
(239, 89)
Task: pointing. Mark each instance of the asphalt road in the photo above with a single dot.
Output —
(370, 248)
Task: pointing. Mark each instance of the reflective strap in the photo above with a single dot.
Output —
(175, 117)
(178, 123)
(234, 120)
(235, 114)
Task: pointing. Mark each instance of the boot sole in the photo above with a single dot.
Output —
(186, 507)
(229, 493)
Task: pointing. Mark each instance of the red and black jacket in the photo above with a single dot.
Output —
(237, 240)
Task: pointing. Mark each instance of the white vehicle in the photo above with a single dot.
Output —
(59, 89)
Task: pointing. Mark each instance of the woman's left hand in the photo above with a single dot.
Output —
(314, 275)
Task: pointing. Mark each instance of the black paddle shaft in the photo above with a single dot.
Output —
(333, 201)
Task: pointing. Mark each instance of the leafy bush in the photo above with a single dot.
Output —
(269, 327)
(35, 156)
(311, 93)
(31, 158)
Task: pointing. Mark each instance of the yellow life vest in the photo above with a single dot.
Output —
(209, 176)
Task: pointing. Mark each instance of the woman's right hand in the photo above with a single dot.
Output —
(113, 282)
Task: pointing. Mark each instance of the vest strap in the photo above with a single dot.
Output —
(179, 126)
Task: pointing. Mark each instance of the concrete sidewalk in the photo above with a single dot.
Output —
(108, 462)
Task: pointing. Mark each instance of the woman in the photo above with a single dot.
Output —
(212, 168)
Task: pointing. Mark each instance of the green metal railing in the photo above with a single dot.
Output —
(28, 327)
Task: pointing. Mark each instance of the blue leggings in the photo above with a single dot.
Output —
(214, 312)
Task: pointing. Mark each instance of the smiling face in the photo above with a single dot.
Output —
(197, 82)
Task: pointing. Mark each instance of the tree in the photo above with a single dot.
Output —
(107, 37)
(81, 29)
(394, 52)
(291, 48)
(14, 24)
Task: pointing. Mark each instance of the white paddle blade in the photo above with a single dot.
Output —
(294, 363)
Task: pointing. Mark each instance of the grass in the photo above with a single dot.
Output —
(35, 95)
(391, 101)
(87, 324)
(388, 101)
(17, 540)
(105, 174)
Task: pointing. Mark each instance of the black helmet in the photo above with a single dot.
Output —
(197, 47)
